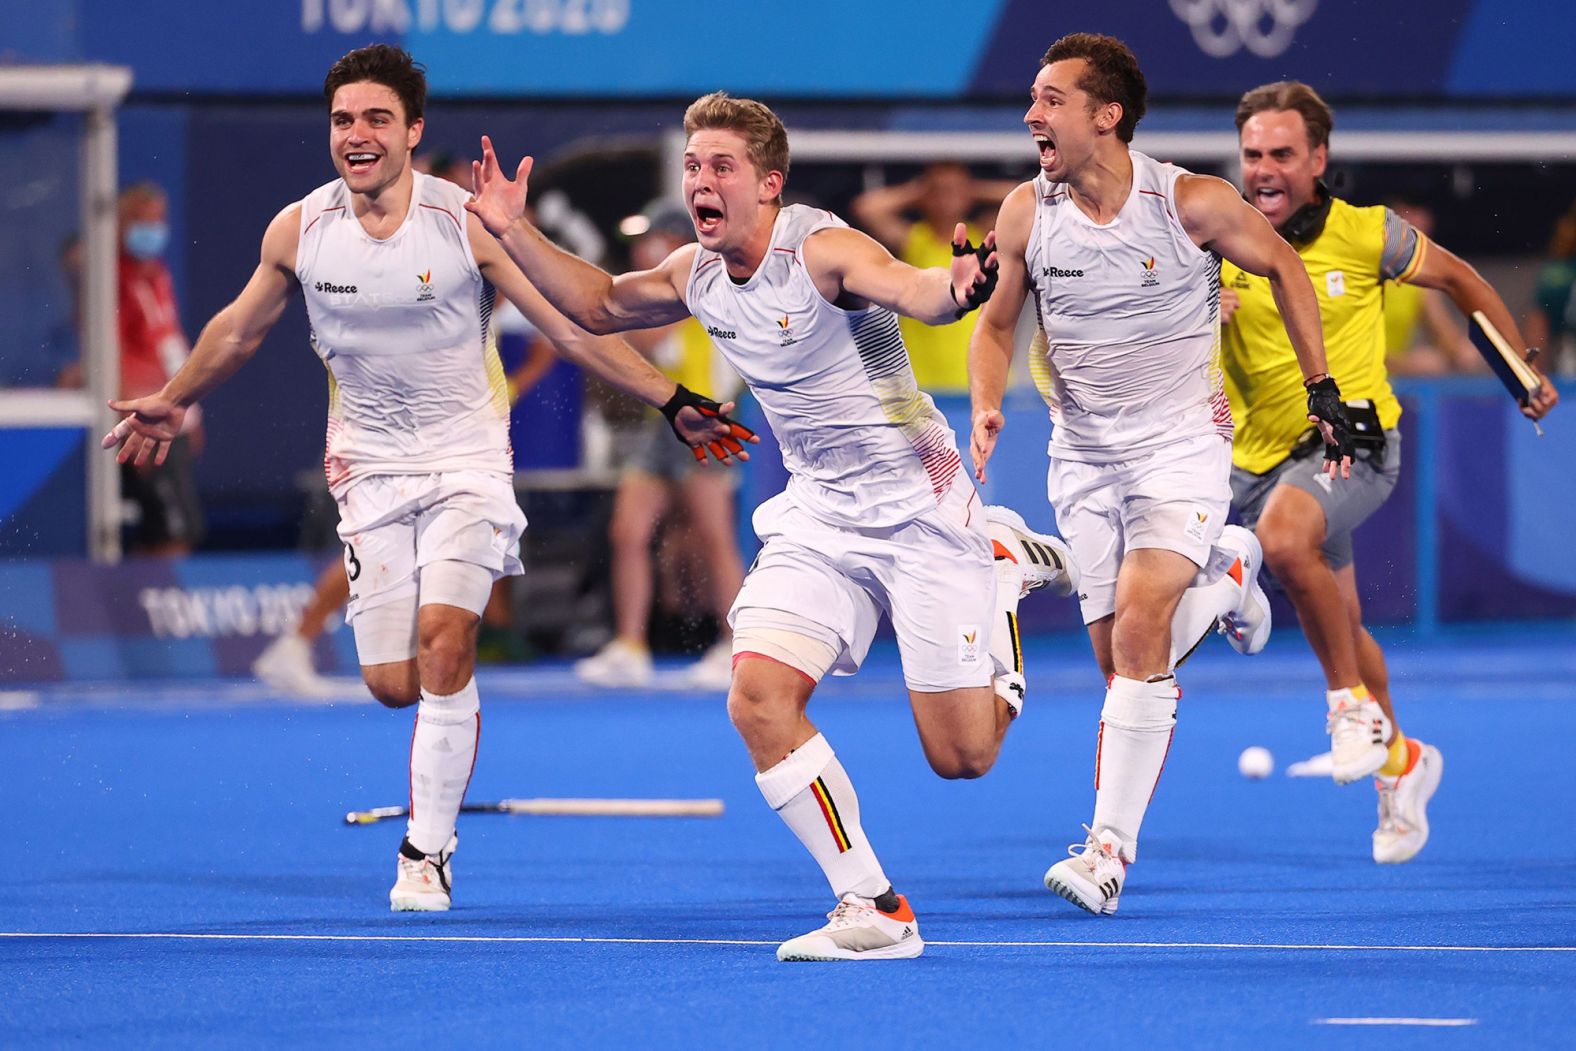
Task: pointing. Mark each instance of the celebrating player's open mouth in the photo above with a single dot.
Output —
(1047, 147)
(1270, 199)
(708, 218)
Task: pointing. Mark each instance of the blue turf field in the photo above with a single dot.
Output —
(1254, 915)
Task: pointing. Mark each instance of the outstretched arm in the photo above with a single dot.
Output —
(701, 424)
(844, 262)
(991, 348)
(1468, 290)
(586, 294)
(227, 342)
(1217, 217)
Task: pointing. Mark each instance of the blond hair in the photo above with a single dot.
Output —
(765, 139)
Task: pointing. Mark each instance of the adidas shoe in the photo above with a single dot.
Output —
(424, 880)
(1403, 808)
(1358, 731)
(619, 663)
(857, 930)
(1247, 627)
(714, 670)
(1042, 560)
(1091, 878)
(286, 665)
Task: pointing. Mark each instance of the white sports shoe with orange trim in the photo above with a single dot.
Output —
(424, 884)
(1092, 877)
(857, 930)
(1247, 627)
(1042, 559)
(1403, 808)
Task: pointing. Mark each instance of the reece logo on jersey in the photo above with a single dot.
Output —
(346, 295)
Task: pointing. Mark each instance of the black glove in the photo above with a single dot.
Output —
(983, 285)
(727, 445)
(1324, 404)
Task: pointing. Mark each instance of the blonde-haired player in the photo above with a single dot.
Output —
(399, 284)
(879, 515)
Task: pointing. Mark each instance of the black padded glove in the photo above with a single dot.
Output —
(983, 285)
(1324, 404)
(729, 444)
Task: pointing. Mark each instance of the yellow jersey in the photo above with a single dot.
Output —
(1348, 263)
(939, 353)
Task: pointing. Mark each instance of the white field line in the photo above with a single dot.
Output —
(528, 939)
(1397, 1021)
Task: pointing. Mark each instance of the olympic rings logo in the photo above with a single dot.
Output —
(1221, 28)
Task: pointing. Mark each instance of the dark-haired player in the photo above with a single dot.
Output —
(1122, 255)
(399, 285)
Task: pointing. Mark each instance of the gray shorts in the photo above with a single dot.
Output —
(658, 453)
(1347, 502)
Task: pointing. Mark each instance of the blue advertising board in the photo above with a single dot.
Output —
(881, 49)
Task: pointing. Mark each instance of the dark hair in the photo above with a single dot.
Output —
(1112, 75)
(382, 64)
(1295, 96)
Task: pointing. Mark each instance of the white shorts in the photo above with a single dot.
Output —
(934, 577)
(393, 525)
(1175, 499)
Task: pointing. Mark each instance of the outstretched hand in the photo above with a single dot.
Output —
(705, 426)
(974, 270)
(496, 200)
(982, 439)
(147, 430)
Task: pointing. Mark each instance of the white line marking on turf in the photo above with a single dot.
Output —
(530, 939)
(1396, 1021)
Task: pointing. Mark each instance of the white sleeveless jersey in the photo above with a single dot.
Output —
(1130, 313)
(403, 326)
(862, 444)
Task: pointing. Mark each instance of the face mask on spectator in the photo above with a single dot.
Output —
(147, 240)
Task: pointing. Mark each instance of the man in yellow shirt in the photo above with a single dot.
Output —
(1304, 523)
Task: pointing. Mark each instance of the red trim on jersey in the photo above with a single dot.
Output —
(713, 259)
(789, 251)
(319, 215)
(445, 211)
(1163, 197)
(1053, 196)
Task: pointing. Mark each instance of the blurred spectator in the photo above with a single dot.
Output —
(64, 346)
(915, 221)
(152, 347)
(660, 474)
(1552, 323)
(1422, 335)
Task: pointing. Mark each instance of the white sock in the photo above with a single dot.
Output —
(812, 794)
(1006, 648)
(1135, 734)
(1215, 593)
(442, 755)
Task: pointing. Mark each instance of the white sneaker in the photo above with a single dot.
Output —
(1358, 731)
(286, 665)
(857, 930)
(1092, 877)
(1247, 627)
(1043, 560)
(1403, 808)
(424, 884)
(617, 664)
(714, 670)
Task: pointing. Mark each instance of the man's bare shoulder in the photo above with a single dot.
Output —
(283, 237)
(1016, 218)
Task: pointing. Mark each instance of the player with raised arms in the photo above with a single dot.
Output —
(1304, 524)
(879, 515)
(399, 285)
(1122, 254)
